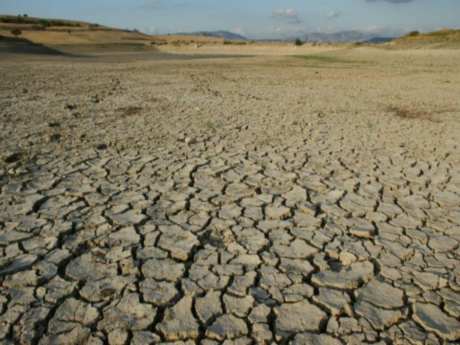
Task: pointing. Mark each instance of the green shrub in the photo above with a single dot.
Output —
(16, 32)
(44, 23)
(298, 42)
(238, 43)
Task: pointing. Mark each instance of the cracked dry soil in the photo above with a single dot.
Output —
(258, 200)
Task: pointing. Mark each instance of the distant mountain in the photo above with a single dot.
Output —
(227, 35)
(344, 36)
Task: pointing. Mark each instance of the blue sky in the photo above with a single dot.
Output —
(253, 18)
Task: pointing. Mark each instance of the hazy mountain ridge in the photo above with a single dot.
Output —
(345, 36)
(228, 35)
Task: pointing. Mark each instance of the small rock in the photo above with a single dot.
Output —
(89, 267)
(238, 306)
(178, 322)
(363, 233)
(335, 301)
(299, 317)
(145, 338)
(177, 241)
(431, 318)
(129, 313)
(349, 278)
(379, 318)
(163, 269)
(130, 217)
(297, 249)
(382, 295)
(20, 263)
(314, 339)
(347, 258)
(71, 313)
(227, 327)
(158, 293)
(208, 306)
(280, 212)
(118, 337)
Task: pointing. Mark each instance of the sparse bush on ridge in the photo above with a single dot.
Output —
(16, 32)
(413, 34)
(43, 22)
(226, 42)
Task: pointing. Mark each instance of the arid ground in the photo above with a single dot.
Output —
(250, 196)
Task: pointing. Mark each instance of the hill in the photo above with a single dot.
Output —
(446, 38)
(66, 33)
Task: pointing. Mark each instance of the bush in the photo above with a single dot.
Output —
(16, 32)
(44, 23)
(298, 42)
(238, 43)
(413, 33)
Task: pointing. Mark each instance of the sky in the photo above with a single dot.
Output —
(252, 18)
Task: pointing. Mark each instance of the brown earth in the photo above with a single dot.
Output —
(230, 194)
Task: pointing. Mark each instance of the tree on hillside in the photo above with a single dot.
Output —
(16, 32)
(298, 42)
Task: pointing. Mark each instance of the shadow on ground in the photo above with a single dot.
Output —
(112, 52)
(11, 45)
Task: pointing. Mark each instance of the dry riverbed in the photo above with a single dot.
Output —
(305, 199)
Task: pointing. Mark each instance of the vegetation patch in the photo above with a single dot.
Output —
(410, 114)
(43, 22)
(325, 59)
(238, 43)
(129, 111)
(447, 38)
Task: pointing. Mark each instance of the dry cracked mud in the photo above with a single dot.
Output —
(258, 200)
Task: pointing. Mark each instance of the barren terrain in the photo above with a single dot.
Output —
(311, 197)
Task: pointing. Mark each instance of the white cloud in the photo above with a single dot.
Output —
(334, 14)
(288, 14)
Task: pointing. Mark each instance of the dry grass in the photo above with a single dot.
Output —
(441, 38)
(186, 39)
(325, 59)
(129, 111)
(410, 113)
